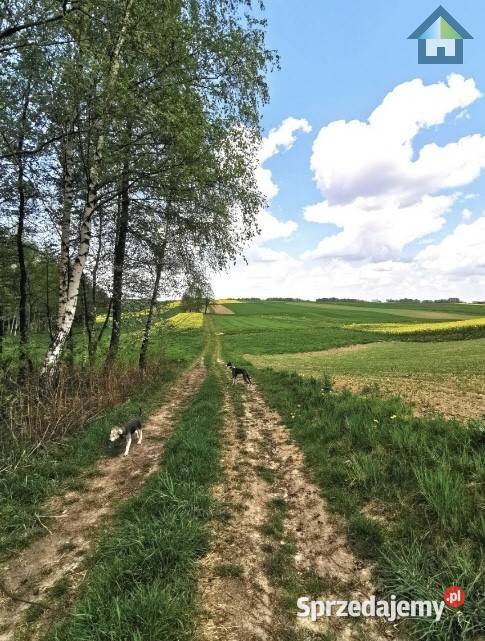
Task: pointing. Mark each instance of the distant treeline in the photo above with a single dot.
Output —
(334, 299)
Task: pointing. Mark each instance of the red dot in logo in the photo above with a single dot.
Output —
(454, 596)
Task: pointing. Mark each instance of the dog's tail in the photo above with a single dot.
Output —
(248, 379)
(139, 410)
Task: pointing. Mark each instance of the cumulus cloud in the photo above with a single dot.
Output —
(279, 139)
(381, 233)
(461, 252)
(381, 194)
(377, 191)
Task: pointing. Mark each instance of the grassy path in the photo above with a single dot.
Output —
(274, 540)
(52, 567)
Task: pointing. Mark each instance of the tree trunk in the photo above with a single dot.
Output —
(119, 262)
(24, 362)
(47, 299)
(2, 326)
(148, 324)
(68, 197)
(160, 256)
(86, 316)
(54, 352)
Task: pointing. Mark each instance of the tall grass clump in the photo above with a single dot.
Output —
(142, 579)
(410, 489)
(35, 469)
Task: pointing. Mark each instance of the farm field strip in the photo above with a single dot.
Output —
(398, 328)
(388, 358)
(383, 309)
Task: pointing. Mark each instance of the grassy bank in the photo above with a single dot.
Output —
(27, 481)
(411, 491)
(142, 580)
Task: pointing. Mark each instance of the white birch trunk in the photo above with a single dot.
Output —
(69, 306)
(68, 197)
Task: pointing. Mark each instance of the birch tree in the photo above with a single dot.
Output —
(69, 296)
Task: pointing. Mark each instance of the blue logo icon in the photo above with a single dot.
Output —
(440, 39)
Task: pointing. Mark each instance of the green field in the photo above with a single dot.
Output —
(463, 359)
(274, 328)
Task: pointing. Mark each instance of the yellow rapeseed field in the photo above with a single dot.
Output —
(414, 328)
(187, 320)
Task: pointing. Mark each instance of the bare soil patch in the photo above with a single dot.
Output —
(55, 563)
(220, 309)
(446, 396)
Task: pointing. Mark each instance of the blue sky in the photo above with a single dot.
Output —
(339, 60)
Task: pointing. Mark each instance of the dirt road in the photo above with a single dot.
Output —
(55, 562)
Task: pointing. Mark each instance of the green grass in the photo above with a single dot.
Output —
(62, 464)
(460, 359)
(411, 492)
(142, 579)
(59, 466)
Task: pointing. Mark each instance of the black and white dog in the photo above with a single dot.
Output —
(236, 371)
(132, 426)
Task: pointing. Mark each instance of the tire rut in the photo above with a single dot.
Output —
(74, 521)
(319, 536)
(234, 591)
(243, 605)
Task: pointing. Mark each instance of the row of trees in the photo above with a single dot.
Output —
(128, 139)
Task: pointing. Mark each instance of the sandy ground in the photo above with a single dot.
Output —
(73, 521)
(242, 608)
(220, 309)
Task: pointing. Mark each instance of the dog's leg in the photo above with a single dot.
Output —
(128, 444)
(140, 436)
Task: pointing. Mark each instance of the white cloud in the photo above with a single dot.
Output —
(377, 192)
(461, 252)
(272, 228)
(279, 139)
(381, 194)
(282, 137)
(380, 233)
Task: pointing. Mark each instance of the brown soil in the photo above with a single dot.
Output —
(220, 309)
(446, 397)
(237, 607)
(243, 608)
(73, 521)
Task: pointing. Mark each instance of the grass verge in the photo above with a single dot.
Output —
(142, 578)
(411, 491)
(59, 464)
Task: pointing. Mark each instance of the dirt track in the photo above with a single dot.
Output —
(240, 599)
(73, 521)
